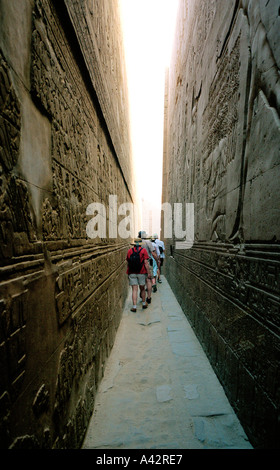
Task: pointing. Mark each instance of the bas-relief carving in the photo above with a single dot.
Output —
(221, 119)
(35, 162)
(221, 147)
(73, 133)
(16, 216)
(242, 279)
(219, 114)
(76, 284)
(48, 210)
(261, 196)
(84, 355)
(227, 145)
(84, 171)
(97, 26)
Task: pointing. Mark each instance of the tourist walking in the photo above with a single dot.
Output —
(147, 244)
(155, 264)
(161, 247)
(138, 271)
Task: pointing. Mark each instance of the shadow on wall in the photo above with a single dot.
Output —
(62, 293)
(221, 152)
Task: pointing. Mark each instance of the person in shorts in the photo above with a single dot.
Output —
(147, 244)
(161, 247)
(138, 271)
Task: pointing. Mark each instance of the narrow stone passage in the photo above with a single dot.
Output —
(159, 390)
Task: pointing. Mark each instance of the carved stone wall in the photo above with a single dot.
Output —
(222, 153)
(64, 143)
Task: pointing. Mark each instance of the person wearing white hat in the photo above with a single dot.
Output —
(156, 264)
(152, 255)
(161, 248)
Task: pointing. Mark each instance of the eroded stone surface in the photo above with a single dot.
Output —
(61, 292)
(222, 153)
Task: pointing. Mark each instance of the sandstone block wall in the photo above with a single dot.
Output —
(222, 153)
(64, 143)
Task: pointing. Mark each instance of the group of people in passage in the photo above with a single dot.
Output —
(144, 263)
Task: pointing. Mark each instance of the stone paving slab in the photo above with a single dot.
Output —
(159, 390)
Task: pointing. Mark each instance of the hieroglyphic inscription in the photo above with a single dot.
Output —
(252, 282)
(94, 337)
(62, 295)
(220, 129)
(13, 317)
(205, 13)
(15, 215)
(9, 118)
(223, 77)
(222, 114)
(83, 168)
(76, 284)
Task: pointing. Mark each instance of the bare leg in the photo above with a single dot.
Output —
(134, 295)
(143, 293)
(149, 288)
